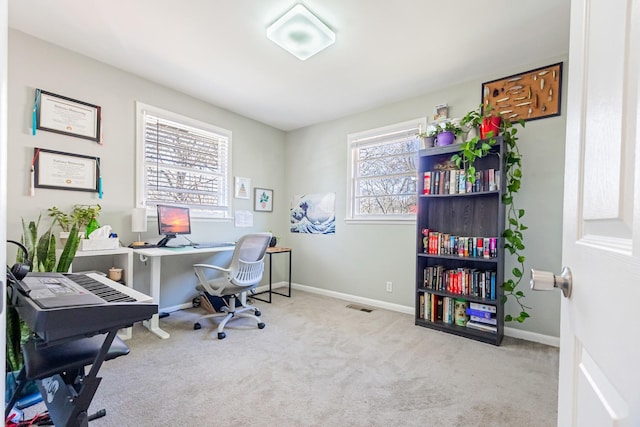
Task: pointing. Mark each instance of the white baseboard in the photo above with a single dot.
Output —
(510, 332)
(532, 336)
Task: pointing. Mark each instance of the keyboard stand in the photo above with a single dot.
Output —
(59, 372)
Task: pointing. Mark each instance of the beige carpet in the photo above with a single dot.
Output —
(318, 363)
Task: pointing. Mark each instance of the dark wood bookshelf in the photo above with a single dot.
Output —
(472, 214)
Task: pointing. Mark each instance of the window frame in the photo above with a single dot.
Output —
(353, 142)
(140, 177)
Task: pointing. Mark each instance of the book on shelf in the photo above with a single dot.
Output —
(482, 327)
(483, 307)
(446, 181)
(479, 313)
(492, 180)
(462, 182)
(427, 183)
(489, 321)
(453, 181)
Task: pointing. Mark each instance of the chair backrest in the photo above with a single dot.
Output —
(247, 262)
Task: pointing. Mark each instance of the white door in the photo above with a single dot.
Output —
(599, 381)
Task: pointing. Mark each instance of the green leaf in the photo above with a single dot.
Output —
(520, 213)
(507, 200)
(520, 294)
(69, 251)
(513, 222)
(50, 262)
(521, 259)
(508, 318)
(516, 272)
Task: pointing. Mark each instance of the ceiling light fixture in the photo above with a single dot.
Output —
(301, 33)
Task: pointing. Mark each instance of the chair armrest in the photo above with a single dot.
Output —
(212, 267)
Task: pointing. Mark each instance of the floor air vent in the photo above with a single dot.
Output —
(360, 308)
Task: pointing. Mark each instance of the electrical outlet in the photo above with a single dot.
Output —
(389, 287)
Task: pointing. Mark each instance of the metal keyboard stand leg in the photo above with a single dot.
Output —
(271, 291)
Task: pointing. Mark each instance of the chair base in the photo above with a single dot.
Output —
(229, 312)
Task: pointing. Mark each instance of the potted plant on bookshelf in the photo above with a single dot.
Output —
(447, 133)
(478, 147)
(429, 137)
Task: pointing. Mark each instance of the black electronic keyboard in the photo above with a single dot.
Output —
(75, 318)
(59, 307)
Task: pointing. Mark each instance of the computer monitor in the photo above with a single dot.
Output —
(172, 220)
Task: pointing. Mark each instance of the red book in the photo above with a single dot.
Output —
(427, 183)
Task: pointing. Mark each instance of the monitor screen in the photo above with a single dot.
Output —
(173, 220)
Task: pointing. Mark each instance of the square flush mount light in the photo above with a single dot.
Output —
(301, 33)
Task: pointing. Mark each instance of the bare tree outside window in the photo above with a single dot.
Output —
(185, 165)
(384, 173)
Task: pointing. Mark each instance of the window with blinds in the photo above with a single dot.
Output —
(185, 162)
(382, 166)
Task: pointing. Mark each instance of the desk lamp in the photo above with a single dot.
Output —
(139, 224)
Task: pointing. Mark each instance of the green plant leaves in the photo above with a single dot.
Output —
(69, 251)
(474, 149)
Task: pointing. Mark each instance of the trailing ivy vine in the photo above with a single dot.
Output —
(476, 148)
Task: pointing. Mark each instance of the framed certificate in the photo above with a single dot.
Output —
(56, 113)
(65, 171)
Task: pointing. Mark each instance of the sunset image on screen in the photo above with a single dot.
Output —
(174, 220)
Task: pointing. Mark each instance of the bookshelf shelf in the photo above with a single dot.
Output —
(457, 224)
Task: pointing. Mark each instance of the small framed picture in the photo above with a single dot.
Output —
(243, 186)
(263, 200)
(441, 112)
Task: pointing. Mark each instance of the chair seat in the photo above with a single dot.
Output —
(43, 362)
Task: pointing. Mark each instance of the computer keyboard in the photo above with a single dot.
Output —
(203, 245)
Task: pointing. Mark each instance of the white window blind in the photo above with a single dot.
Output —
(383, 172)
(185, 163)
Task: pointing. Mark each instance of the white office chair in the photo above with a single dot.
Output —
(243, 274)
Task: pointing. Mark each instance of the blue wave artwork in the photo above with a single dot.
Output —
(313, 213)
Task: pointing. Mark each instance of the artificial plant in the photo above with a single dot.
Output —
(477, 148)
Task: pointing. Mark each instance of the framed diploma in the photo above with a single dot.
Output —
(56, 113)
(65, 171)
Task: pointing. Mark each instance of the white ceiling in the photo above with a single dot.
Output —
(386, 51)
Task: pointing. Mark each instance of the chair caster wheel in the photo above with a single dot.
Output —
(221, 335)
(196, 302)
(197, 326)
(258, 313)
(261, 325)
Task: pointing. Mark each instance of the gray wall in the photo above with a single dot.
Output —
(258, 150)
(360, 258)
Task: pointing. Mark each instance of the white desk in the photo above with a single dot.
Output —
(155, 256)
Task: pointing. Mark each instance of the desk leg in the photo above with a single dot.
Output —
(154, 324)
(288, 295)
(269, 291)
